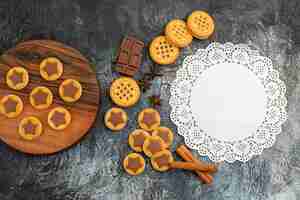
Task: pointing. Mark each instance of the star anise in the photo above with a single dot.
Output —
(146, 81)
(154, 100)
(144, 84)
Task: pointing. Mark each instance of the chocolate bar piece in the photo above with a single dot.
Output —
(130, 56)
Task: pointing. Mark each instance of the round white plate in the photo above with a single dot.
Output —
(228, 102)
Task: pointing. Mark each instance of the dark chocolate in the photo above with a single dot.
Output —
(130, 56)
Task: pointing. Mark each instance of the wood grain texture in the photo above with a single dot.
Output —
(28, 55)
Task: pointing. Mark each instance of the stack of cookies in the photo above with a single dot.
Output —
(40, 98)
(151, 139)
(164, 50)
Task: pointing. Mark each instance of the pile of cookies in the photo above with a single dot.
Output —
(179, 34)
(11, 106)
(152, 139)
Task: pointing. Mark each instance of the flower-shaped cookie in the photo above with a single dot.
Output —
(51, 69)
(161, 160)
(137, 138)
(59, 118)
(41, 97)
(11, 106)
(17, 78)
(153, 145)
(164, 133)
(149, 119)
(115, 119)
(30, 128)
(70, 90)
(134, 164)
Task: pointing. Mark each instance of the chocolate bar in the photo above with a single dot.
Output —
(129, 56)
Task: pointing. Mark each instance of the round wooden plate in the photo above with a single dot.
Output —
(28, 55)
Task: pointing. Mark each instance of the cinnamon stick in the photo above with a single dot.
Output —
(186, 165)
(204, 166)
(186, 155)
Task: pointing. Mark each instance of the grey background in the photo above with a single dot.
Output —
(91, 169)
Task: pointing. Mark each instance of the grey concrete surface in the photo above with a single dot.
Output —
(91, 169)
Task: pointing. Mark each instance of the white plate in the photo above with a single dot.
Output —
(228, 102)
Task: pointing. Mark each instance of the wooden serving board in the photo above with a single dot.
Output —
(28, 55)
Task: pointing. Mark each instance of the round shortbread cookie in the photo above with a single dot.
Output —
(137, 138)
(51, 69)
(162, 51)
(17, 78)
(125, 92)
(70, 90)
(200, 24)
(161, 160)
(41, 97)
(30, 128)
(11, 106)
(134, 164)
(59, 118)
(177, 33)
(149, 119)
(115, 119)
(164, 133)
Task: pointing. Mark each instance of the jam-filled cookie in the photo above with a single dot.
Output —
(70, 90)
(125, 92)
(115, 119)
(177, 33)
(59, 118)
(51, 69)
(161, 160)
(30, 128)
(11, 106)
(200, 24)
(134, 164)
(17, 78)
(164, 133)
(153, 145)
(137, 138)
(41, 97)
(149, 119)
(162, 51)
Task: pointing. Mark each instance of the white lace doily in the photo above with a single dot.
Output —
(188, 123)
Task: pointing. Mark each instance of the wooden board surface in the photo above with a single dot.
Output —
(28, 55)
